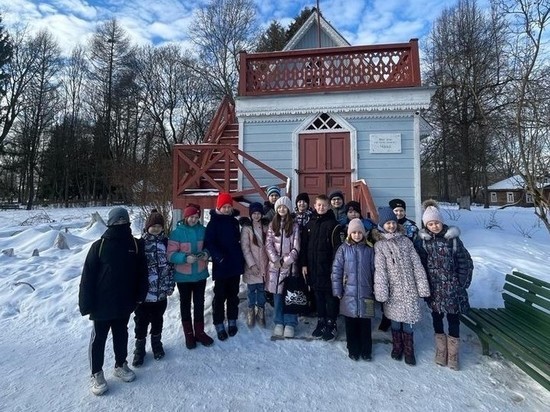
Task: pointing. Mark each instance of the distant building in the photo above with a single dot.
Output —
(511, 191)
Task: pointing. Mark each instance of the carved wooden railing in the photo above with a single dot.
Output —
(361, 194)
(330, 69)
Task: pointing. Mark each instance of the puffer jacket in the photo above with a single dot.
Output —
(186, 240)
(449, 267)
(352, 279)
(254, 254)
(399, 277)
(285, 249)
(222, 239)
(159, 270)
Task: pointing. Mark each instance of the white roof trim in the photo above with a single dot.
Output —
(325, 26)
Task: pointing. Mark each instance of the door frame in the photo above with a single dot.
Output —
(301, 129)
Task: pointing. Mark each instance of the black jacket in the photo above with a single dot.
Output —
(114, 277)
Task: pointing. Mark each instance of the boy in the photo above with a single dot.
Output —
(336, 199)
(316, 253)
(114, 281)
(273, 193)
(399, 207)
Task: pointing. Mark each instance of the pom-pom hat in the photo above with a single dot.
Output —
(431, 212)
(224, 199)
(155, 218)
(283, 201)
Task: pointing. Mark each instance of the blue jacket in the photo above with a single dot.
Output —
(184, 241)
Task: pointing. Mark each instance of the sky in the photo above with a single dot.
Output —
(165, 21)
(44, 339)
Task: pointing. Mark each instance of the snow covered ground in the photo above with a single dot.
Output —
(44, 340)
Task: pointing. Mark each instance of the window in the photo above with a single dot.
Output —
(324, 122)
(528, 198)
(493, 197)
(510, 197)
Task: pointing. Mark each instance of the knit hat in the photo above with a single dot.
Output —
(355, 225)
(191, 209)
(283, 201)
(273, 190)
(302, 196)
(397, 203)
(224, 199)
(118, 216)
(336, 193)
(255, 207)
(385, 214)
(431, 212)
(352, 205)
(155, 218)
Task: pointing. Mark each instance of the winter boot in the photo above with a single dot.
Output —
(441, 349)
(250, 317)
(319, 330)
(331, 331)
(397, 344)
(408, 348)
(222, 334)
(201, 336)
(139, 353)
(156, 345)
(232, 328)
(260, 314)
(452, 348)
(385, 324)
(190, 342)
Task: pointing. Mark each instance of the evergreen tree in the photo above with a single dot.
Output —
(273, 39)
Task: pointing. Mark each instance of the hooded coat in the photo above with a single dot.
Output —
(285, 249)
(399, 277)
(254, 253)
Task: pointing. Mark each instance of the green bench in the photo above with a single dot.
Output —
(521, 330)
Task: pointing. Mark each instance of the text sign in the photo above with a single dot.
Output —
(385, 143)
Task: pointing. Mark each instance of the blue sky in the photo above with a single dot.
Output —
(160, 21)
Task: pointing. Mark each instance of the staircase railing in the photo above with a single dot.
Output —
(361, 193)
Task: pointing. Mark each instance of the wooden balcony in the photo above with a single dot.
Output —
(330, 69)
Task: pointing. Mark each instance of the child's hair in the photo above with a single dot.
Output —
(288, 226)
(321, 197)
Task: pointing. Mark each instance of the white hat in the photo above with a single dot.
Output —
(283, 201)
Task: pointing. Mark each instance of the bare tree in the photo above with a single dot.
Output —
(6, 51)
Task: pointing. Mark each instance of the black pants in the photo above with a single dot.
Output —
(192, 291)
(226, 291)
(358, 336)
(119, 329)
(454, 323)
(327, 305)
(149, 313)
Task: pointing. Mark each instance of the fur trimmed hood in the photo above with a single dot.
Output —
(448, 232)
(379, 235)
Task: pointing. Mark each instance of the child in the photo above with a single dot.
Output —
(449, 267)
(399, 280)
(399, 207)
(317, 252)
(273, 193)
(302, 211)
(186, 251)
(352, 283)
(161, 285)
(222, 239)
(253, 234)
(282, 246)
(113, 283)
(336, 199)
(353, 211)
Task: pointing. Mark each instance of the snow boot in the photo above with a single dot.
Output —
(452, 347)
(441, 349)
(408, 348)
(260, 314)
(385, 324)
(222, 334)
(250, 317)
(190, 342)
(124, 373)
(319, 330)
(331, 331)
(397, 344)
(201, 336)
(139, 353)
(156, 345)
(232, 328)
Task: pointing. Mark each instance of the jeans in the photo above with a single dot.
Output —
(405, 327)
(256, 295)
(281, 318)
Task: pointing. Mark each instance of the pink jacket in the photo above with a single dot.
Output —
(254, 255)
(285, 248)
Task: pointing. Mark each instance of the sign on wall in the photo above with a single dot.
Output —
(385, 143)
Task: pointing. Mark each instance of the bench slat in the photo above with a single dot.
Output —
(534, 288)
(531, 279)
(530, 298)
(535, 316)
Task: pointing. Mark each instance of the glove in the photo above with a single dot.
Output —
(191, 259)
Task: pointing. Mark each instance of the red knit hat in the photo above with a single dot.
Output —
(191, 209)
(224, 199)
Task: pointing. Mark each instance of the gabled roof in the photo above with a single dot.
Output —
(311, 24)
(512, 183)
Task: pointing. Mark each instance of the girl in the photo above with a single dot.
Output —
(352, 283)
(399, 280)
(253, 235)
(449, 267)
(185, 250)
(283, 246)
(161, 285)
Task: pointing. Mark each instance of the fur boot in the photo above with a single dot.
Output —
(190, 342)
(397, 344)
(408, 348)
(441, 349)
(452, 348)
(201, 336)
(260, 314)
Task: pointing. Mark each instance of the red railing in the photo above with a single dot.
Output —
(224, 115)
(330, 69)
(361, 194)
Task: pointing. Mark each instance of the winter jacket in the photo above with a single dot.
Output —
(302, 218)
(114, 276)
(399, 277)
(269, 210)
(449, 268)
(411, 230)
(187, 240)
(340, 214)
(352, 279)
(254, 254)
(159, 270)
(317, 250)
(283, 249)
(222, 239)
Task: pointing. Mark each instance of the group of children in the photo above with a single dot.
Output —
(349, 263)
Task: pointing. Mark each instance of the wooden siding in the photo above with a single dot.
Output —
(310, 39)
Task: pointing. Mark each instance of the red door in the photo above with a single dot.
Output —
(325, 163)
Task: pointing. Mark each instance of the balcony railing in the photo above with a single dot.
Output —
(330, 69)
